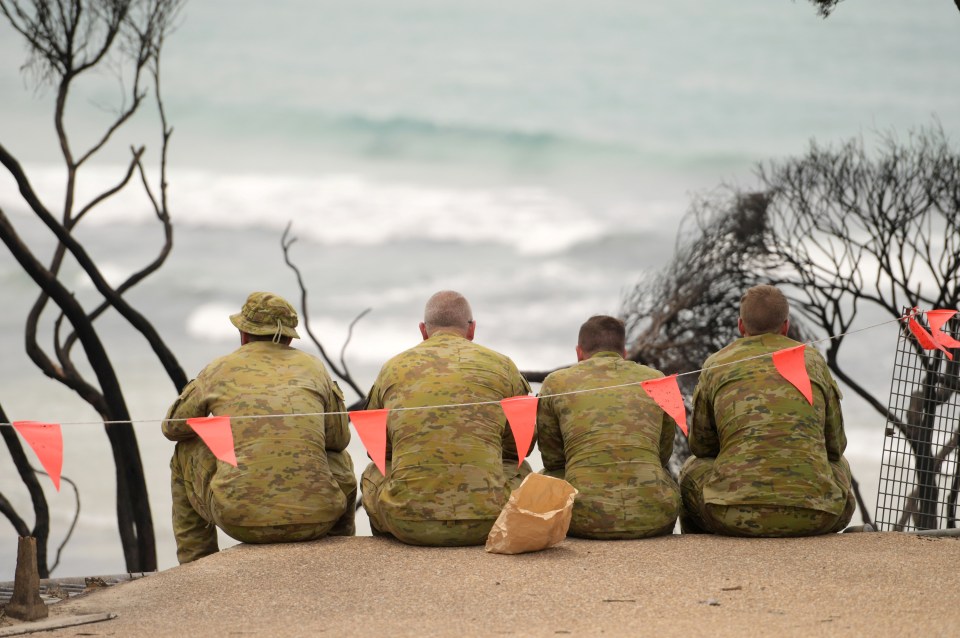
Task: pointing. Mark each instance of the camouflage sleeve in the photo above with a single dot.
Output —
(336, 426)
(667, 429)
(704, 440)
(374, 397)
(835, 438)
(523, 386)
(187, 406)
(548, 433)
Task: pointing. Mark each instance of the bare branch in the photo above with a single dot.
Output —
(286, 241)
(73, 522)
(346, 341)
(6, 508)
(65, 39)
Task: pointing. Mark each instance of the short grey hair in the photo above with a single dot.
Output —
(447, 309)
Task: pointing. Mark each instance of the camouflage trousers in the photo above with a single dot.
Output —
(600, 523)
(698, 517)
(443, 533)
(597, 520)
(195, 521)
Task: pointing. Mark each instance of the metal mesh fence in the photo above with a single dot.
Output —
(919, 473)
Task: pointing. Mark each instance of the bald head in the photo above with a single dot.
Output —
(448, 310)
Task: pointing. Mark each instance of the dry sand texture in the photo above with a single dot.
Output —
(880, 584)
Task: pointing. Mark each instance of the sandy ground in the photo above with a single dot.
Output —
(877, 584)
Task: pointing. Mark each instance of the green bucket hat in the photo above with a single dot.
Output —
(265, 313)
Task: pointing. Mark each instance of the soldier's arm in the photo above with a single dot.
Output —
(667, 429)
(550, 438)
(375, 397)
(834, 436)
(336, 426)
(704, 440)
(187, 406)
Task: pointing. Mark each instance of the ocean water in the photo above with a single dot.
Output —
(536, 156)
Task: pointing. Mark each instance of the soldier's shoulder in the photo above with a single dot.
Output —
(818, 369)
(646, 373)
(306, 358)
(724, 354)
(490, 355)
(212, 368)
(814, 356)
(316, 365)
(562, 377)
(402, 360)
(613, 370)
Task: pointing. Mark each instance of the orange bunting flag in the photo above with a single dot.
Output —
(926, 340)
(522, 416)
(216, 433)
(371, 425)
(666, 393)
(46, 440)
(936, 319)
(792, 366)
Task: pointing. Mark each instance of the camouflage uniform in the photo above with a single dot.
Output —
(612, 445)
(766, 462)
(294, 479)
(450, 470)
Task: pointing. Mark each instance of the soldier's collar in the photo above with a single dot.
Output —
(447, 332)
(606, 353)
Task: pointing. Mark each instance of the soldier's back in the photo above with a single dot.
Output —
(615, 442)
(771, 437)
(446, 444)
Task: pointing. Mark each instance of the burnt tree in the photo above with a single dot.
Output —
(68, 42)
(854, 233)
(845, 233)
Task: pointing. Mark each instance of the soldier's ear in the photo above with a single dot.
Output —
(423, 331)
(785, 328)
(471, 330)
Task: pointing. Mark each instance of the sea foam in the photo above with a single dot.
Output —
(345, 209)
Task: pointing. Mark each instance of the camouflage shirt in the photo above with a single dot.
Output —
(612, 445)
(282, 476)
(446, 463)
(771, 446)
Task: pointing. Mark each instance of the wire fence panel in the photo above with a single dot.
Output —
(919, 473)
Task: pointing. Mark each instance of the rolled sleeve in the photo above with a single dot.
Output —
(704, 439)
(667, 431)
(336, 422)
(549, 437)
(189, 405)
(834, 435)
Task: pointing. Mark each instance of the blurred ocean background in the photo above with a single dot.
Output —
(536, 156)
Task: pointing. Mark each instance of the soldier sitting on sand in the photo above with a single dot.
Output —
(766, 462)
(612, 444)
(294, 480)
(450, 469)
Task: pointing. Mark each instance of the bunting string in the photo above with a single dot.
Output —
(521, 411)
(480, 403)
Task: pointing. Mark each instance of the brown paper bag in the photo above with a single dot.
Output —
(536, 517)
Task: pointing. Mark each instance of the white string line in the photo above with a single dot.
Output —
(477, 403)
